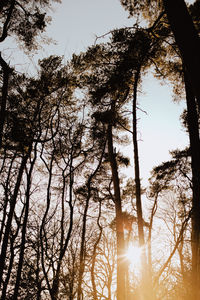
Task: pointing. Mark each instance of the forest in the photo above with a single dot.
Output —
(74, 223)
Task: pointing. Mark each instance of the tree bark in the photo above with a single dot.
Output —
(8, 18)
(94, 254)
(6, 73)
(136, 163)
(193, 128)
(24, 227)
(82, 250)
(10, 266)
(83, 234)
(121, 270)
(145, 286)
(11, 212)
(2, 4)
(187, 40)
(64, 241)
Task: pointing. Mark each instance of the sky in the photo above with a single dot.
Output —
(76, 23)
(75, 26)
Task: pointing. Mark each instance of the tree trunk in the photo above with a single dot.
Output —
(119, 218)
(6, 73)
(10, 267)
(83, 234)
(64, 241)
(6, 192)
(193, 128)
(82, 250)
(146, 283)
(145, 275)
(24, 227)
(94, 254)
(11, 213)
(187, 40)
(150, 268)
(136, 163)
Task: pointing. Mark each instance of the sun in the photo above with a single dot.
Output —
(133, 254)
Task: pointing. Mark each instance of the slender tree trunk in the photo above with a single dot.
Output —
(121, 270)
(37, 272)
(10, 214)
(193, 128)
(94, 254)
(128, 285)
(6, 73)
(150, 269)
(136, 163)
(9, 271)
(6, 202)
(146, 292)
(83, 250)
(64, 241)
(42, 227)
(187, 40)
(24, 227)
(181, 258)
(175, 247)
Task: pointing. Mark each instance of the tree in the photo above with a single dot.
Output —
(32, 126)
(119, 217)
(187, 41)
(23, 20)
(87, 190)
(128, 53)
(173, 179)
(66, 214)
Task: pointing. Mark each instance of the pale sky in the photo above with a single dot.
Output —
(75, 24)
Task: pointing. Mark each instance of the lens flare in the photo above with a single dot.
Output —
(133, 254)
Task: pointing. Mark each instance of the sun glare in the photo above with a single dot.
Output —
(133, 254)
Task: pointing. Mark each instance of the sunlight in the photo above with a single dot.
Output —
(133, 254)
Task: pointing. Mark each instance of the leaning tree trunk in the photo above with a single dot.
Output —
(121, 270)
(136, 163)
